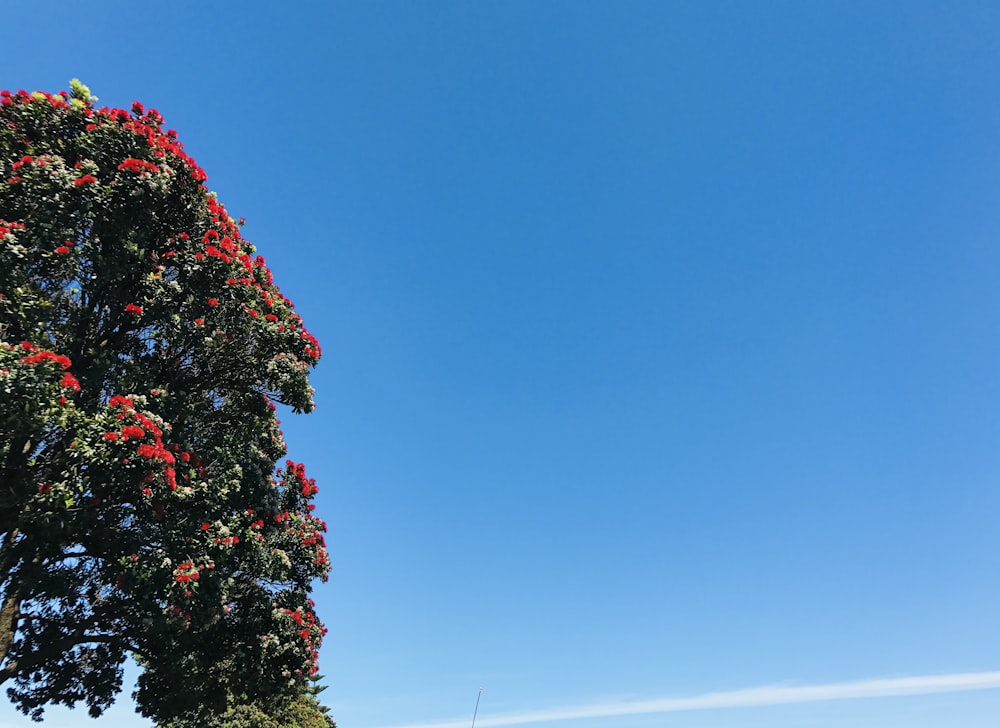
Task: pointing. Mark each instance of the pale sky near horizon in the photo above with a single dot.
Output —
(661, 340)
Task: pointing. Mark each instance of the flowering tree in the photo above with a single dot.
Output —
(143, 347)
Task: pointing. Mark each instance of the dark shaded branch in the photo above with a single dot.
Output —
(59, 647)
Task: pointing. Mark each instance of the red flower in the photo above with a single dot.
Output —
(138, 165)
(86, 179)
(147, 451)
(133, 309)
(199, 322)
(110, 436)
(213, 302)
(71, 382)
(62, 250)
(42, 356)
(132, 431)
(205, 526)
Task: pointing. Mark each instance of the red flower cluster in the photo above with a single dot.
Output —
(138, 165)
(162, 144)
(23, 161)
(187, 571)
(84, 180)
(42, 356)
(144, 427)
(23, 97)
(303, 618)
(6, 227)
(133, 309)
(307, 486)
(312, 346)
(154, 452)
(307, 620)
(119, 401)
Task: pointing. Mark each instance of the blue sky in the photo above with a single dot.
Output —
(661, 340)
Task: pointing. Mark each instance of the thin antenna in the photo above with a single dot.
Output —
(476, 712)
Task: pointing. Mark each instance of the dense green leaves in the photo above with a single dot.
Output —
(301, 712)
(143, 347)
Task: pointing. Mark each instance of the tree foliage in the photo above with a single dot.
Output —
(302, 711)
(143, 348)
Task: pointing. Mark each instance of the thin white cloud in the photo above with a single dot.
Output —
(746, 698)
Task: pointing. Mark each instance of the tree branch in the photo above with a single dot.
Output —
(60, 646)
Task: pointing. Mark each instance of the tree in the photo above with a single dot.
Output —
(143, 349)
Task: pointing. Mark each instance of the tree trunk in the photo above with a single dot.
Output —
(10, 609)
(10, 612)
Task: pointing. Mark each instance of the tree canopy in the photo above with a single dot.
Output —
(143, 349)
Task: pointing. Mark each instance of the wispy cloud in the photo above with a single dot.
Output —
(748, 697)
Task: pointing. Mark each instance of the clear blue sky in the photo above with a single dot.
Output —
(662, 339)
